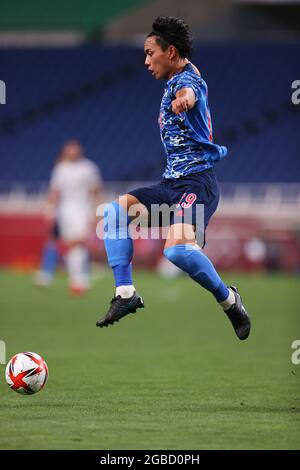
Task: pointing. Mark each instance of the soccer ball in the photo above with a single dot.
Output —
(26, 373)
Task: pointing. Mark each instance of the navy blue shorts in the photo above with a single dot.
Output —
(186, 193)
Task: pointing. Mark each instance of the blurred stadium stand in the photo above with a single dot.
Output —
(103, 96)
(62, 14)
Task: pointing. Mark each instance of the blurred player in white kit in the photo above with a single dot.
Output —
(75, 192)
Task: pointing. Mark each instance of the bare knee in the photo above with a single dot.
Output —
(180, 234)
(127, 200)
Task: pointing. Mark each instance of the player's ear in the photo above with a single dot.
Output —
(172, 51)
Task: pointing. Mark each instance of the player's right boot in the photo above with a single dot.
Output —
(119, 307)
(239, 316)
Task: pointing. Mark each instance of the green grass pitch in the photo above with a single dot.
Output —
(174, 376)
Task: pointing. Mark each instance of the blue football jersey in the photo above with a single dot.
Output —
(187, 137)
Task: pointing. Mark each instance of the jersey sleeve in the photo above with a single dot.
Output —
(95, 178)
(185, 80)
(56, 179)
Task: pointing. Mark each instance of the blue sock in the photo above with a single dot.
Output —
(123, 275)
(192, 261)
(49, 258)
(118, 243)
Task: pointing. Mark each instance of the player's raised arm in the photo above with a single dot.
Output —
(185, 100)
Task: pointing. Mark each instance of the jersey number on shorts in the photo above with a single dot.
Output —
(187, 200)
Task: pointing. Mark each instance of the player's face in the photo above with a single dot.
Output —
(157, 61)
(72, 151)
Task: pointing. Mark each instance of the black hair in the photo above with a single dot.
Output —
(173, 31)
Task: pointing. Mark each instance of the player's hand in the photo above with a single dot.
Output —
(180, 105)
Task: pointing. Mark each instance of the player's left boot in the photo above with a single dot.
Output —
(239, 316)
(119, 307)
